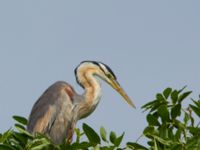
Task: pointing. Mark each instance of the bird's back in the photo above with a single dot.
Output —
(52, 113)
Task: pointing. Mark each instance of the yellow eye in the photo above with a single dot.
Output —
(109, 76)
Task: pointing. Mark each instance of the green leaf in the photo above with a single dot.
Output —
(103, 134)
(163, 131)
(17, 145)
(152, 120)
(178, 134)
(39, 143)
(149, 130)
(155, 145)
(21, 138)
(167, 92)
(176, 111)
(136, 146)
(113, 137)
(6, 147)
(20, 126)
(24, 132)
(163, 113)
(195, 109)
(193, 144)
(6, 136)
(179, 124)
(159, 139)
(150, 143)
(92, 136)
(41, 146)
(78, 134)
(119, 140)
(160, 97)
(178, 146)
(82, 145)
(150, 104)
(186, 118)
(155, 107)
(174, 96)
(20, 119)
(183, 96)
(194, 130)
(197, 103)
(179, 91)
(170, 132)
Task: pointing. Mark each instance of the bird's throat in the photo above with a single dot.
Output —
(93, 91)
(91, 95)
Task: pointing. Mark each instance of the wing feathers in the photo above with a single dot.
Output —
(45, 121)
(52, 110)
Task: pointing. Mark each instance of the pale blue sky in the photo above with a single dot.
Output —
(150, 45)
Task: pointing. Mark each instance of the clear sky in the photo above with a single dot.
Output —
(149, 45)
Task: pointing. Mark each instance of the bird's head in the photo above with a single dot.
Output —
(104, 72)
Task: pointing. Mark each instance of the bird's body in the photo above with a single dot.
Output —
(59, 108)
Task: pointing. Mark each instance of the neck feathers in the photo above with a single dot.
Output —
(86, 77)
(91, 84)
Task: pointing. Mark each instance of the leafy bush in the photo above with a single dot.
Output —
(171, 126)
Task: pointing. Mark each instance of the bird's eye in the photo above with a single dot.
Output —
(109, 75)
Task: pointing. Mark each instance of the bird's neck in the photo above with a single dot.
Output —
(91, 95)
(92, 92)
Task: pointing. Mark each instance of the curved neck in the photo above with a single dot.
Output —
(92, 89)
(91, 95)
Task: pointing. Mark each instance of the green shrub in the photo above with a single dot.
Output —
(170, 127)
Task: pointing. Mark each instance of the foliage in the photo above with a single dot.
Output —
(171, 126)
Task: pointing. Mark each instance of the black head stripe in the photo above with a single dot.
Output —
(89, 61)
(109, 70)
(75, 71)
(98, 64)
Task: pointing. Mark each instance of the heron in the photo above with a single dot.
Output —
(58, 109)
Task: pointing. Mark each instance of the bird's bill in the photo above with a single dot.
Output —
(118, 88)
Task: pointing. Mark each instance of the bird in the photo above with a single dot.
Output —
(59, 108)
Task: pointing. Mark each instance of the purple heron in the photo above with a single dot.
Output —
(59, 108)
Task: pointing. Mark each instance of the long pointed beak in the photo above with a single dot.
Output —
(119, 89)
